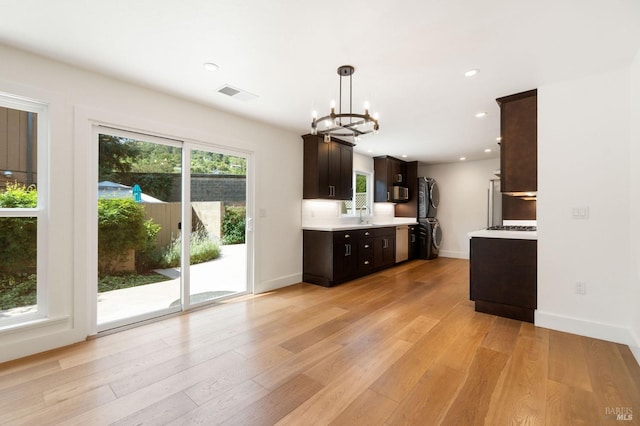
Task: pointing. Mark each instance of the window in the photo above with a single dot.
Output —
(23, 132)
(362, 195)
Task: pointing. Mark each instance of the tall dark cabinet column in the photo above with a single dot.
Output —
(519, 154)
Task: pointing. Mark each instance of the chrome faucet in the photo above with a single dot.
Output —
(363, 208)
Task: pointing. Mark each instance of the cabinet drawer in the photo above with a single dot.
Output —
(365, 256)
(384, 232)
(351, 235)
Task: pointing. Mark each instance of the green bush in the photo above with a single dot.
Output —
(202, 249)
(147, 257)
(17, 195)
(121, 228)
(18, 235)
(17, 290)
(233, 225)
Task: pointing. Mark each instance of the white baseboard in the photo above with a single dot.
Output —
(635, 347)
(278, 283)
(454, 254)
(635, 350)
(582, 327)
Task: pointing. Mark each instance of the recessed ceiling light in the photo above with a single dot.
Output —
(210, 66)
(487, 150)
(463, 158)
(472, 72)
(481, 114)
(369, 151)
(404, 155)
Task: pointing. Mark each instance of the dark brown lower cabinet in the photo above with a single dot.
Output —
(384, 249)
(503, 277)
(333, 257)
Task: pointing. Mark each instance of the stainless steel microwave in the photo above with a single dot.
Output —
(400, 193)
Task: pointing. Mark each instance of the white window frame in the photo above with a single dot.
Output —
(40, 212)
(369, 176)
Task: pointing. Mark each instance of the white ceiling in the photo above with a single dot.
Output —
(410, 56)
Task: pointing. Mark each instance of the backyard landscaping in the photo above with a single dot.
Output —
(123, 234)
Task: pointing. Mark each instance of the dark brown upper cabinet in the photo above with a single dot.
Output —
(388, 172)
(328, 168)
(519, 144)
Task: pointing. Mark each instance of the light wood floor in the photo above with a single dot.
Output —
(403, 346)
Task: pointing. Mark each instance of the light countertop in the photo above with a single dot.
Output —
(513, 235)
(375, 224)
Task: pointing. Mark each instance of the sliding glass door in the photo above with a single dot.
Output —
(171, 222)
(139, 221)
(218, 249)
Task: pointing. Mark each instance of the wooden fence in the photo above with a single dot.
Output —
(168, 215)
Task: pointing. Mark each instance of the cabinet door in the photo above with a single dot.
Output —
(384, 248)
(324, 175)
(504, 271)
(389, 250)
(345, 255)
(519, 147)
(341, 171)
(316, 168)
(380, 174)
(318, 257)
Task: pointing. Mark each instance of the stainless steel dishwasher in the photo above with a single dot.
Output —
(402, 243)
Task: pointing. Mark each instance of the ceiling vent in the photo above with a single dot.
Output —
(235, 93)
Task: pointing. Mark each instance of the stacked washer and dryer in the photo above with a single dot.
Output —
(430, 231)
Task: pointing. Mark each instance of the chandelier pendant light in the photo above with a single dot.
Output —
(347, 124)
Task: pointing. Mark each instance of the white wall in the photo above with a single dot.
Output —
(583, 161)
(634, 235)
(463, 201)
(75, 97)
(362, 163)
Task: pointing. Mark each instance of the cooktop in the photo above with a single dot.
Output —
(511, 228)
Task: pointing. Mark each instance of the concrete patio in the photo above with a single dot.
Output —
(209, 280)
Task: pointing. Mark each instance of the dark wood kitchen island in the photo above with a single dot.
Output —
(503, 273)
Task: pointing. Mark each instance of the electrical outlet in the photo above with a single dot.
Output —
(581, 288)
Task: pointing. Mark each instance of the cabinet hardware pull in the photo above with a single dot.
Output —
(347, 250)
(366, 246)
(366, 233)
(387, 195)
(385, 243)
(366, 262)
(347, 236)
(413, 238)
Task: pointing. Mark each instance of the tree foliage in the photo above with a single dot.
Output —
(18, 235)
(119, 156)
(121, 228)
(361, 183)
(233, 225)
(116, 156)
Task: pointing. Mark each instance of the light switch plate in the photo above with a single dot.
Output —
(580, 212)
